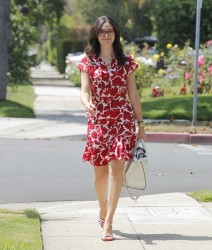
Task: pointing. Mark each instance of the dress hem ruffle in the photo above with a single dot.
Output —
(106, 161)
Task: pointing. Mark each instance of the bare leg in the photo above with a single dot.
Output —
(101, 184)
(114, 189)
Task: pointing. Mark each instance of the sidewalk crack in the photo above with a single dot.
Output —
(137, 234)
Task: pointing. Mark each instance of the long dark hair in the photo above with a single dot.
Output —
(93, 47)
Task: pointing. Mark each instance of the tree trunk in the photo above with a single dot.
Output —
(5, 34)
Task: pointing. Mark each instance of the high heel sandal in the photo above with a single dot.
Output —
(101, 222)
(107, 237)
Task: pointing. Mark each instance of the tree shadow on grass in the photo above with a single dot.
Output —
(14, 109)
(31, 214)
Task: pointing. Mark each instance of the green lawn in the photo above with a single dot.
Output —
(177, 107)
(20, 230)
(19, 102)
(202, 196)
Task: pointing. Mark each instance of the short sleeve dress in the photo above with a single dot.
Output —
(111, 132)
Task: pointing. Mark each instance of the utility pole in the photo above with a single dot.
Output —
(198, 18)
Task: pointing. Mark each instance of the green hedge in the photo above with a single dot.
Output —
(63, 48)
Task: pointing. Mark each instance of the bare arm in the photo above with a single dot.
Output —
(85, 94)
(135, 102)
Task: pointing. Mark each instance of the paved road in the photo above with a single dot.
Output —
(52, 170)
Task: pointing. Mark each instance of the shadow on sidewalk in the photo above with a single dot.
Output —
(64, 116)
(149, 238)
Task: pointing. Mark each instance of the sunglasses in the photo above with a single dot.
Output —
(103, 33)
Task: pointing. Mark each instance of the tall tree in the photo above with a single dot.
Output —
(4, 45)
(27, 18)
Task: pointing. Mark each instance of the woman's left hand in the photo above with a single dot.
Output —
(141, 134)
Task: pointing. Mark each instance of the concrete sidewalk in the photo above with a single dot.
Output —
(171, 221)
(162, 222)
(57, 107)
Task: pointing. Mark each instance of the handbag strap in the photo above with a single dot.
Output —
(134, 198)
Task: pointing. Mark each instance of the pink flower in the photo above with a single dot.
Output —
(209, 43)
(210, 69)
(201, 77)
(187, 75)
(201, 61)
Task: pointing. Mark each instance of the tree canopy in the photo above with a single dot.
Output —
(176, 21)
(27, 18)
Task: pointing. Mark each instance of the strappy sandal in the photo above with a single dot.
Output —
(101, 222)
(107, 237)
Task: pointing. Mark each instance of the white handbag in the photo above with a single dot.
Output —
(135, 170)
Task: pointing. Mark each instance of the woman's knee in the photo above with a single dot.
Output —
(101, 176)
(116, 168)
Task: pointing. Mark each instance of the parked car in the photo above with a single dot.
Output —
(74, 58)
(150, 40)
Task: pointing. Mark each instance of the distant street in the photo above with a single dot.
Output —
(52, 170)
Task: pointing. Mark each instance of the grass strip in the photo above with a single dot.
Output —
(19, 102)
(202, 195)
(20, 230)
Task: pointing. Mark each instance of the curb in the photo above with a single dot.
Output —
(201, 139)
(154, 137)
(151, 137)
(179, 138)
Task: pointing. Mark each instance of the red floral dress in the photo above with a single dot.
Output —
(111, 132)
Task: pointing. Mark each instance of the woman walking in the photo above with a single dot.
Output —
(107, 77)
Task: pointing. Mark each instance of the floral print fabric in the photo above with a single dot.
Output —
(111, 132)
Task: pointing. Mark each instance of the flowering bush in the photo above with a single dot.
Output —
(181, 63)
(176, 68)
